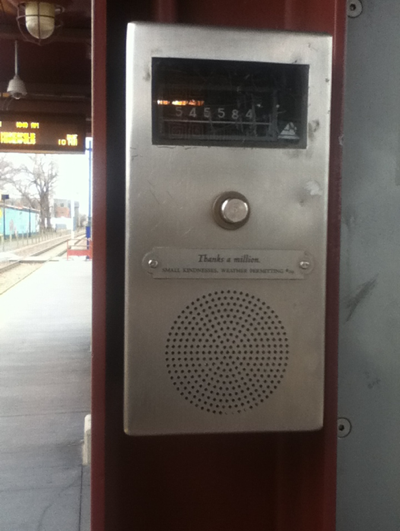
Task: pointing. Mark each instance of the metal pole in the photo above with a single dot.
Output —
(4, 224)
(72, 213)
(16, 59)
(90, 183)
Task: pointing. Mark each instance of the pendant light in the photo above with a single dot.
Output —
(37, 21)
(16, 87)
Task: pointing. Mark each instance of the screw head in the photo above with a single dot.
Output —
(343, 427)
(354, 8)
(152, 263)
(304, 264)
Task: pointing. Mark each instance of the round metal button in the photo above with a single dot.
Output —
(231, 210)
(234, 210)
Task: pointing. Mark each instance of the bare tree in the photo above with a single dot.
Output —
(7, 171)
(35, 184)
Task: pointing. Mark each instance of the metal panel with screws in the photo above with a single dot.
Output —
(224, 328)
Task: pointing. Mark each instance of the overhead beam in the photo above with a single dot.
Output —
(80, 35)
(54, 90)
(46, 106)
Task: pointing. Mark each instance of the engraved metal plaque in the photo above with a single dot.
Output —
(168, 262)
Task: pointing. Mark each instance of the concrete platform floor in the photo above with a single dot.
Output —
(45, 327)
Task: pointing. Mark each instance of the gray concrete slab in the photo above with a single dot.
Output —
(85, 508)
(26, 477)
(45, 327)
(30, 397)
(43, 509)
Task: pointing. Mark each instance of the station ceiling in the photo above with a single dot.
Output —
(57, 73)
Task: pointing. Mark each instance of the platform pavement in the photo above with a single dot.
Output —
(45, 324)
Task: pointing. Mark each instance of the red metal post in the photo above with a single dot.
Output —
(283, 482)
(165, 10)
(98, 453)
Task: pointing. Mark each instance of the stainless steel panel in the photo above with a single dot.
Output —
(369, 361)
(170, 194)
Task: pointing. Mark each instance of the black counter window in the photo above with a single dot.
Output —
(229, 103)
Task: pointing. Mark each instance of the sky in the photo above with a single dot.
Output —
(73, 179)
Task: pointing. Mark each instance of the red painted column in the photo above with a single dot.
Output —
(282, 482)
(165, 10)
(99, 129)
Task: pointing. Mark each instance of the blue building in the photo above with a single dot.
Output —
(18, 221)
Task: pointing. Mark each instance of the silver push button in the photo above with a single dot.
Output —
(234, 210)
(231, 210)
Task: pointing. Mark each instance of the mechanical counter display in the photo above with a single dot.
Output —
(227, 172)
(209, 102)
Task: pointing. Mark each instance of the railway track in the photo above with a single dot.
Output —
(15, 272)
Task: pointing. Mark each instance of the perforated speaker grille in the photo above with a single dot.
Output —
(227, 352)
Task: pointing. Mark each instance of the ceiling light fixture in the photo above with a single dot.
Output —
(16, 87)
(37, 21)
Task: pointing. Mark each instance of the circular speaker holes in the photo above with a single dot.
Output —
(227, 352)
